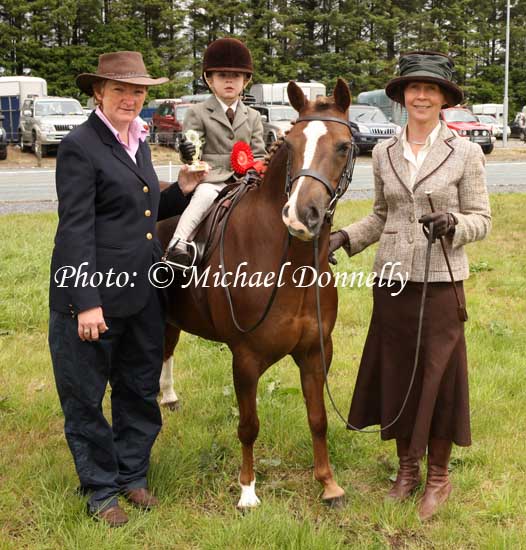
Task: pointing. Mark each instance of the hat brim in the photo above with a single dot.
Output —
(85, 81)
(230, 70)
(392, 88)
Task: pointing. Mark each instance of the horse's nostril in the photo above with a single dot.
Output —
(286, 211)
(313, 216)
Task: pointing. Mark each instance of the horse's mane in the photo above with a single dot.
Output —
(276, 145)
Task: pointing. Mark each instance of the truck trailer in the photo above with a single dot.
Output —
(276, 93)
(14, 90)
(495, 109)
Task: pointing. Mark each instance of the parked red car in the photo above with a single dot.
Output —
(466, 125)
(167, 123)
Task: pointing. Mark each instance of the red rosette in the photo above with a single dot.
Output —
(241, 158)
(259, 165)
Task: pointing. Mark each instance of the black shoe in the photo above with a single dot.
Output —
(179, 259)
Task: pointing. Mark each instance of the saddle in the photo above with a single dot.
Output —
(206, 235)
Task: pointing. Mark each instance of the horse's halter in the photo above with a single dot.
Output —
(345, 178)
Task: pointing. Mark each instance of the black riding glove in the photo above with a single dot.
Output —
(443, 224)
(186, 150)
(336, 240)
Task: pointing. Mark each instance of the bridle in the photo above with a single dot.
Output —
(335, 194)
(345, 178)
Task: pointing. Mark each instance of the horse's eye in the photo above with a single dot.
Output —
(343, 147)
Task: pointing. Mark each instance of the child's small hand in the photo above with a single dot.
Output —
(186, 150)
(189, 180)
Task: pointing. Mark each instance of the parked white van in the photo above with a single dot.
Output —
(276, 93)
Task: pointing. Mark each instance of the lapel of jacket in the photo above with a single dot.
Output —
(395, 152)
(117, 149)
(438, 154)
(241, 115)
(216, 111)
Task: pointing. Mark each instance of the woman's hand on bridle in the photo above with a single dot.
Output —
(91, 324)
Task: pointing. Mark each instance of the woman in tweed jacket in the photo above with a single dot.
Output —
(427, 156)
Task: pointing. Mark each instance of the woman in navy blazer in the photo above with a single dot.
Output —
(106, 319)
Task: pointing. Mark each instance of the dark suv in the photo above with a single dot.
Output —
(3, 140)
(370, 126)
(167, 123)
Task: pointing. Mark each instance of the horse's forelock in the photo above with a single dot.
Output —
(324, 103)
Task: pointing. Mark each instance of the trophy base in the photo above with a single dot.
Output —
(198, 166)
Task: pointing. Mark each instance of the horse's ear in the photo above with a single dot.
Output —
(342, 95)
(296, 96)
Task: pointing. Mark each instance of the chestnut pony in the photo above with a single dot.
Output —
(317, 148)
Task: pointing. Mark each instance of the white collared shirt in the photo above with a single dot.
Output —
(414, 162)
(225, 106)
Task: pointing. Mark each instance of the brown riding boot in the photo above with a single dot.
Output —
(408, 476)
(438, 486)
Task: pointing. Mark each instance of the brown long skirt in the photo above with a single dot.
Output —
(438, 405)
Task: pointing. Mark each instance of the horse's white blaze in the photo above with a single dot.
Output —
(166, 383)
(248, 498)
(313, 132)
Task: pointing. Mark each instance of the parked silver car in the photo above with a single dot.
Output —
(276, 120)
(45, 121)
(497, 128)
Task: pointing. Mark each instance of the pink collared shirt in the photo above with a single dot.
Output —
(136, 133)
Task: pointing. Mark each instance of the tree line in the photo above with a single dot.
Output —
(303, 40)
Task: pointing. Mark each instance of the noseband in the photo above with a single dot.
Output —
(345, 178)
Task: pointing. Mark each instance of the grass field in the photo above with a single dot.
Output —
(196, 458)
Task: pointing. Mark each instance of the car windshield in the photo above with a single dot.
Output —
(459, 115)
(487, 119)
(283, 113)
(180, 112)
(367, 115)
(52, 108)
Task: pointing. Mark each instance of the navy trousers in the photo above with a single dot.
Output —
(110, 458)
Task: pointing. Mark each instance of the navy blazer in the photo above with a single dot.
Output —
(108, 207)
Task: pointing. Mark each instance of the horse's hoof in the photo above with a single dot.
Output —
(248, 499)
(172, 405)
(247, 509)
(335, 503)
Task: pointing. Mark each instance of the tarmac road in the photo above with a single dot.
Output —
(30, 190)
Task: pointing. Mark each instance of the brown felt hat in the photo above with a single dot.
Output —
(228, 54)
(121, 66)
(425, 66)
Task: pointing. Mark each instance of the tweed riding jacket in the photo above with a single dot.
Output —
(210, 121)
(454, 172)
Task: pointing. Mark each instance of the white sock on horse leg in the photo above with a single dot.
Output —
(248, 498)
(166, 383)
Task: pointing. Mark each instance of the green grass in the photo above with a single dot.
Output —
(196, 458)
